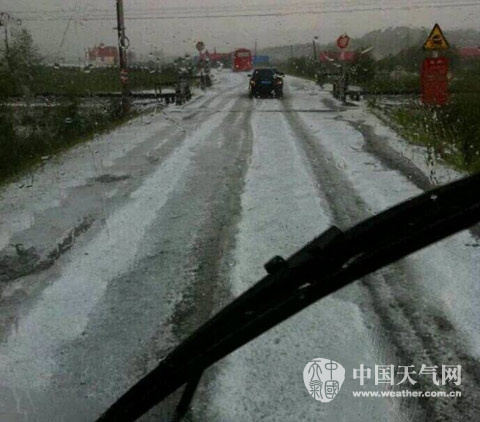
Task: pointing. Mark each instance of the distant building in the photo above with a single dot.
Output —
(215, 57)
(103, 55)
(469, 53)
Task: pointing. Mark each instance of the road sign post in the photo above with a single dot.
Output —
(434, 81)
(314, 50)
(123, 44)
(342, 88)
(200, 46)
(434, 71)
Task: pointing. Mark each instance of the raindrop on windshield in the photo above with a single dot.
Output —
(87, 68)
(341, 164)
(357, 144)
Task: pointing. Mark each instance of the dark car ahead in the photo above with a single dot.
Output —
(265, 83)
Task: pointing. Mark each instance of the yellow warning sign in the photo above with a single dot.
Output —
(436, 40)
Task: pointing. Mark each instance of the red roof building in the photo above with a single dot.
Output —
(103, 55)
(215, 57)
(469, 53)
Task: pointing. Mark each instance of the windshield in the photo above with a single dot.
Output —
(146, 179)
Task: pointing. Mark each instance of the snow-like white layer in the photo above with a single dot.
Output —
(280, 204)
(61, 314)
(47, 186)
(448, 272)
(281, 211)
(438, 172)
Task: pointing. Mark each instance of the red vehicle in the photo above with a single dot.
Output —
(242, 60)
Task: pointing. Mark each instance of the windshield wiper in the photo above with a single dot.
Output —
(326, 264)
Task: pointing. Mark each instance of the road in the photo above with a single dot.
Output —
(116, 250)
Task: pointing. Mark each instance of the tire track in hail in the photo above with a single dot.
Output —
(140, 162)
(93, 358)
(411, 327)
(378, 146)
(218, 179)
(136, 302)
(201, 107)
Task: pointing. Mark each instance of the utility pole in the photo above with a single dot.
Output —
(5, 20)
(7, 47)
(123, 44)
(314, 49)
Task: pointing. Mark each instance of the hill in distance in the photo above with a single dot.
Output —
(389, 41)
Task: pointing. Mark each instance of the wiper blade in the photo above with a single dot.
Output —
(326, 264)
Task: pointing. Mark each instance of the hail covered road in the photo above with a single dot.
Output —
(115, 251)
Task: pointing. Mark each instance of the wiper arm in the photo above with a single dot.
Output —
(326, 264)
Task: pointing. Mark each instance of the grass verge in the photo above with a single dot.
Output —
(74, 81)
(451, 132)
(28, 134)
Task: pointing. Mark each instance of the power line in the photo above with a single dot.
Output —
(183, 9)
(68, 26)
(250, 15)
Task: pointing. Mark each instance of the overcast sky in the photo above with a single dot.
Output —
(68, 27)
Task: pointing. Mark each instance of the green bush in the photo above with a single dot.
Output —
(75, 81)
(393, 83)
(452, 132)
(30, 133)
(8, 143)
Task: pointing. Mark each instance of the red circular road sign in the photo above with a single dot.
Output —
(342, 41)
(200, 45)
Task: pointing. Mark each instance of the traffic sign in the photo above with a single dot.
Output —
(434, 81)
(342, 41)
(200, 45)
(436, 40)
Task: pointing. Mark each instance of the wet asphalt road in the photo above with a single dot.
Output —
(180, 221)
